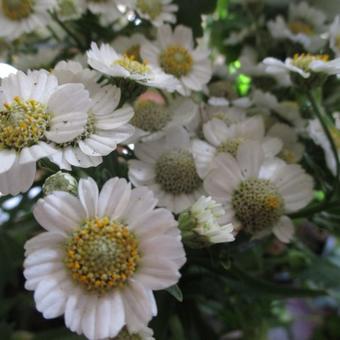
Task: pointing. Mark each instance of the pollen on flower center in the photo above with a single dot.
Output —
(22, 123)
(150, 116)
(230, 146)
(152, 8)
(303, 60)
(287, 155)
(102, 255)
(17, 9)
(258, 205)
(132, 65)
(133, 53)
(299, 26)
(176, 60)
(176, 172)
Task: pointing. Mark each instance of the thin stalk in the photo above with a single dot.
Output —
(68, 31)
(330, 139)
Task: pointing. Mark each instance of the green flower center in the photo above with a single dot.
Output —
(125, 335)
(230, 146)
(176, 172)
(22, 123)
(102, 255)
(17, 9)
(176, 60)
(152, 8)
(299, 26)
(150, 116)
(257, 204)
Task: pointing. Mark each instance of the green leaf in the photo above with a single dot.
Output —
(176, 292)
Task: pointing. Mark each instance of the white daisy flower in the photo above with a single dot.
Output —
(71, 9)
(175, 54)
(25, 16)
(167, 167)
(96, 261)
(107, 61)
(108, 10)
(130, 46)
(225, 111)
(319, 137)
(334, 36)
(6, 70)
(292, 151)
(257, 70)
(35, 110)
(257, 193)
(202, 225)
(304, 26)
(223, 138)
(305, 65)
(106, 125)
(155, 114)
(157, 12)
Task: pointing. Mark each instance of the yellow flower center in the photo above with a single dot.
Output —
(132, 65)
(176, 60)
(151, 8)
(134, 53)
(299, 26)
(230, 146)
(17, 9)
(22, 123)
(257, 204)
(125, 335)
(303, 60)
(288, 156)
(102, 255)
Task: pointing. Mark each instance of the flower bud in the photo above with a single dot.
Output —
(60, 181)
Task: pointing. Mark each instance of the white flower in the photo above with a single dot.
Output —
(25, 16)
(6, 70)
(257, 70)
(287, 110)
(167, 167)
(175, 53)
(334, 36)
(71, 9)
(155, 114)
(108, 10)
(292, 151)
(319, 137)
(304, 65)
(207, 215)
(36, 111)
(107, 61)
(106, 125)
(256, 193)
(304, 26)
(223, 138)
(157, 12)
(130, 46)
(96, 262)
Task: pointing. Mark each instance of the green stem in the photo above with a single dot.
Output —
(68, 31)
(330, 139)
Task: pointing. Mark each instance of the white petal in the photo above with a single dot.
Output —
(284, 229)
(250, 156)
(7, 160)
(88, 195)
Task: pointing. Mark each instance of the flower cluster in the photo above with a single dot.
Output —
(158, 155)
